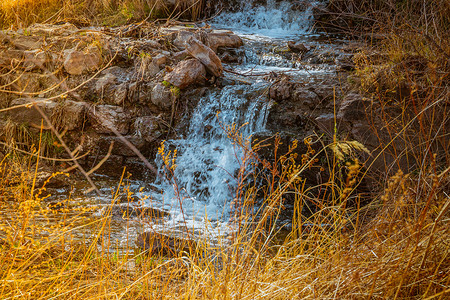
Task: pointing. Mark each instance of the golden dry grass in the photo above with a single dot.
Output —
(397, 247)
(22, 13)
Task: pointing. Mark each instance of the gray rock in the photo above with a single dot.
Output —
(179, 56)
(120, 94)
(105, 118)
(140, 92)
(103, 82)
(152, 69)
(160, 60)
(73, 115)
(186, 73)
(161, 97)
(148, 128)
(182, 37)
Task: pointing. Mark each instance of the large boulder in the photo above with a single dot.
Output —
(186, 73)
(205, 55)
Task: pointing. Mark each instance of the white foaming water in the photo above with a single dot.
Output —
(203, 184)
(200, 192)
(275, 19)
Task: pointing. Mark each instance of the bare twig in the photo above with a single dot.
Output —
(55, 132)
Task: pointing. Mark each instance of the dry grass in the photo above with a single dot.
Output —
(397, 247)
(22, 13)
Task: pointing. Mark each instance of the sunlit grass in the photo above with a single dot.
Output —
(397, 247)
(22, 13)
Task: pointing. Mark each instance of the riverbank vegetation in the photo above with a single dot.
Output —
(394, 247)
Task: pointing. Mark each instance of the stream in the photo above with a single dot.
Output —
(199, 192)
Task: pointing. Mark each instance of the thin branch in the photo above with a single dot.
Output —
(44, 116)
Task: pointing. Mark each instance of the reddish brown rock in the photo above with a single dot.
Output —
(186, 73)
(206, 56)
(223, 38)
(77, 62)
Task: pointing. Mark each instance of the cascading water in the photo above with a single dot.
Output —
(203, 182)
(273, 19)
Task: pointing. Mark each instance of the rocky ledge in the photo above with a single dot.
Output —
(97, 85)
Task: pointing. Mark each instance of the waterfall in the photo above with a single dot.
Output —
(273, 19)
(203, 182)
